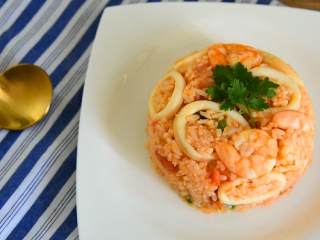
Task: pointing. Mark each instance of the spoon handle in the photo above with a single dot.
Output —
(309, 4)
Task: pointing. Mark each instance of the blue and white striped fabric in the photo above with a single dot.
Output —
(37, 165)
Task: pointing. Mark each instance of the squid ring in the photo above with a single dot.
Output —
(281, 79)
(175, 100)
(180, 121)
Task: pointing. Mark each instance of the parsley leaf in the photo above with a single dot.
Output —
(222, 124)
(189, 199)
(223, 74)
(231, 207)
(256, 103)
(237, 89)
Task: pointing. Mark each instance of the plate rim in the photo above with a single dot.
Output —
(119, 8)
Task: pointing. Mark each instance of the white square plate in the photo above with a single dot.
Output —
(120, 196)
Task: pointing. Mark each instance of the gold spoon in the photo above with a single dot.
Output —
(309, 4)
(25, 96)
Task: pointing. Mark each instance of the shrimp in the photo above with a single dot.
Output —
(295, 144)
(290, 119)
(251, 154)
(225, 54)
(293, 152)
(243, 191)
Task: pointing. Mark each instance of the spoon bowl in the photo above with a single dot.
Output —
(25, 96)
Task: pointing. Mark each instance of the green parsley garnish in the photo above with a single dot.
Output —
(231, 207)
(237, 89)
(189, 199)
(222, 124)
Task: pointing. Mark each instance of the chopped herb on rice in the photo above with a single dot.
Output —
(189, 199)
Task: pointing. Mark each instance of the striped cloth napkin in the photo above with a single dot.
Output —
(37, 165)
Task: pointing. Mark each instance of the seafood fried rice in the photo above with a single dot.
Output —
(230, 128)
